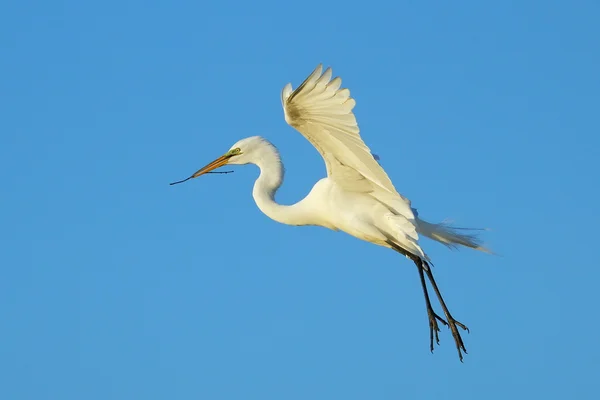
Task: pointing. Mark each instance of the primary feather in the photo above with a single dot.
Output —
(322, 112)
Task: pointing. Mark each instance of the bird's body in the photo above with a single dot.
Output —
(328, 204)
(357, 196)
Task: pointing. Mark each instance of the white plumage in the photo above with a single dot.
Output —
(322, 112)
(357, 196)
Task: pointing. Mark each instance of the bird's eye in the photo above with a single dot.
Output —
(236, 151)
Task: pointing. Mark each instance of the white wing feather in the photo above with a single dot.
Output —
(322, 112)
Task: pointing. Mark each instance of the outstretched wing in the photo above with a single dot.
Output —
(322, 112)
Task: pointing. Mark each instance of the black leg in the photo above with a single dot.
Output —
(424, 267)
(433, 317)
(452, 323)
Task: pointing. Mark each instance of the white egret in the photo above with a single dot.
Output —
(357, 196)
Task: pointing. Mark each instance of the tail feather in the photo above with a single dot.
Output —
(451, 236)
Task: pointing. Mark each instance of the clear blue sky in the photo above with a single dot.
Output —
(115, 285)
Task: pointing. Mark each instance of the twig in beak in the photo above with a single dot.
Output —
(212, 172)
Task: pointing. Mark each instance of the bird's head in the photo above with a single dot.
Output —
(243, 152)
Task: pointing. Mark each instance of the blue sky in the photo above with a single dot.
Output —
(115, 285)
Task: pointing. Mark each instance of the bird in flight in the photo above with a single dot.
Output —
(356, 197)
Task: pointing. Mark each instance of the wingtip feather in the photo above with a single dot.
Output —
(285, 93)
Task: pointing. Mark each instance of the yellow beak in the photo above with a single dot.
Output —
(219, 162)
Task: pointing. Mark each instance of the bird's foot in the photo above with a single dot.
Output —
(454, 325)
(434, 327)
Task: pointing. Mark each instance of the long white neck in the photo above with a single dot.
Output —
(267, 184)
